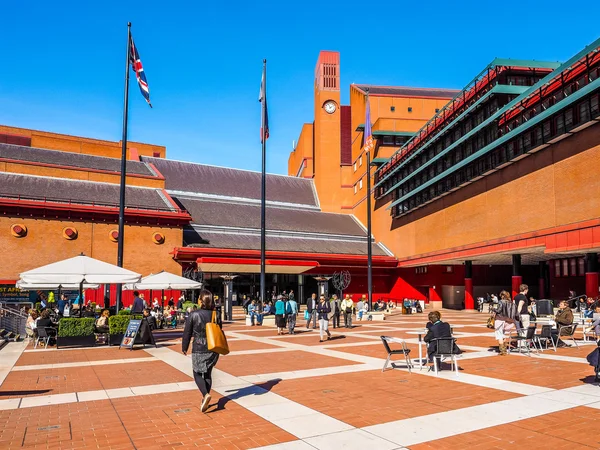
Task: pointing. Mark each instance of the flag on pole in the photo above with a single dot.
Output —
(136, 65)
(368, 135)
(262, 97)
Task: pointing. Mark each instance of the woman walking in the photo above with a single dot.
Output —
(203, 360)
(323, 310)
(504, 322)
(280, 315)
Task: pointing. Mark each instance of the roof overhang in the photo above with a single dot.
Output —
(252, 265)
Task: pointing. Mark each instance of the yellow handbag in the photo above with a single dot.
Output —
(215, 338)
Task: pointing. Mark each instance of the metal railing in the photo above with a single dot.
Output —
(13, 320)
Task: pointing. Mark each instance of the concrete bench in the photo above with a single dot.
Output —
(267, 321)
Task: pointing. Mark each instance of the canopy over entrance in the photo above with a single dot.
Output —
(252, 265)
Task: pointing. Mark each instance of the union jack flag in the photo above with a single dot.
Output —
(136, 65)
(368, 135)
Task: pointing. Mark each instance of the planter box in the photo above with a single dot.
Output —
(76, 341)
(115, 339)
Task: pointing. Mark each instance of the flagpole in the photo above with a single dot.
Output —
(263, 219)
(369, 232)
(123, 167)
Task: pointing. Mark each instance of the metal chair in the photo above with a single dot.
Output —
(403, 351)
(445, 348)
(44, 334)
(545, 335)
(525, 337)
(569, 332)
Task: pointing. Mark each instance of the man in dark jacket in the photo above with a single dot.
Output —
(311, 307)
(436, 329)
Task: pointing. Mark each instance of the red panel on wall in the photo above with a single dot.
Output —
(346, 136)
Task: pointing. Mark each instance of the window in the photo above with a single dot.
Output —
(388, 140)
(422, 269)
(565, 267)
(449, 269)
(360, 184)
(410, 109)
(437, 110)
(573, 264)
(355, 166)
(392, 108)
(557, 268)
(355, 189)
(360, 161)
(581, 267)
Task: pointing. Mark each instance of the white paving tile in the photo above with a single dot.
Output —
(311, 425)
(293, 445)
(44, 400)
(282, 410)
(82, 364)
(9, 403)
(350, 440)
(10, 354)
(90, 396)
(573, 398)
(119, 393)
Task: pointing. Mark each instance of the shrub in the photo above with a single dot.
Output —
(68, 327)
(187, 305)
(118, 324)
(125, 312)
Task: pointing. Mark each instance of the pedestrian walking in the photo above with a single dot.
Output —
(280, 315)
(347, 307)
(311, 307)
(291, 311)
(336, 309)
(323, 309)
(203, 360)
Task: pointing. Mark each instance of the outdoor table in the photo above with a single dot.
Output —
(420, 333)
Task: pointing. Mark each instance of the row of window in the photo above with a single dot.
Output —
(574, 267)
(549, 129)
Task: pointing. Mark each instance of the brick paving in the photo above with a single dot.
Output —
(339, 381)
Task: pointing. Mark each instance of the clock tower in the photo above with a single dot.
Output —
(327, 140)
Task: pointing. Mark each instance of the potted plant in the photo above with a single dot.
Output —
(76, 332)
(117, 326)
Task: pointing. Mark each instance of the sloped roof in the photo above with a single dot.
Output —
(227, 214)
(28, 187)
(202, 239)
(76, 160)
(223, 181)
(407, 91)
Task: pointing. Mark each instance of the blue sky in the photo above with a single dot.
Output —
(63, 62)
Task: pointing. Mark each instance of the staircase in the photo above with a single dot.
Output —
(12, 325)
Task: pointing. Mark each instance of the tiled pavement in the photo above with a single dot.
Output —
(294, 393)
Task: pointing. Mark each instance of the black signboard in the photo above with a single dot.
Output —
(10, 293)
(137, 332)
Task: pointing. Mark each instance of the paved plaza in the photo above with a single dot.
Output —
(294, 393)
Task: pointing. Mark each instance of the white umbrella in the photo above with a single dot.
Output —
(77, 270)
(52, 286)
(164, 280)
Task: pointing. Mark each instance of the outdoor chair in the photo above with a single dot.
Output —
(545, 335)
(525, 339)
(569, 332)
(445, 348)
(402, 351)
(44, 334)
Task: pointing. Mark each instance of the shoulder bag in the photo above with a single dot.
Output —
(215, 338)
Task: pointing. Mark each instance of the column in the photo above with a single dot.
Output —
(542, 280)
(516, 274)
(591, 274)
(301, 298)
(469, 300)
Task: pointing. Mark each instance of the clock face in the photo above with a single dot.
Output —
(330, 107)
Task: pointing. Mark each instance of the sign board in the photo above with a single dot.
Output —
(131, 332)
(138, 332)
(11, 294)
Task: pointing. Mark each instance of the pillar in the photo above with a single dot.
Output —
(469, 300)
(542, 280)
(301, 298)
(516, 274)
(591, 275)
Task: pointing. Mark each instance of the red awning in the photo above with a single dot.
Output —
(252, 265)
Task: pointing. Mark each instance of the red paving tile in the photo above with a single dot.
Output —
(276, 362)
(569, 429)
(144, 422)
(239, 345)
(337, 338)
(89, 378)
(369, 398)
(476, 341)
(83, 355)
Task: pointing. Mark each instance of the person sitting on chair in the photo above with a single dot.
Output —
(595, 326)
(436, 329)
(563, 318)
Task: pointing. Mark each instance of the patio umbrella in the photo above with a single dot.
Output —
(164, 280)
(79, 271)
(52, 286)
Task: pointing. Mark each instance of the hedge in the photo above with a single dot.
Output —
(68, 327)
(118, 324)
(124, 312)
